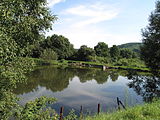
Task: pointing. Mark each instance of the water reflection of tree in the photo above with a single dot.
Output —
(85, 75)
(101, 77)
(114, 75)
(54, 79)
(92, 74)
(57, 79)
(148, 86)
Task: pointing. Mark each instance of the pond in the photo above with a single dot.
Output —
(75, 87)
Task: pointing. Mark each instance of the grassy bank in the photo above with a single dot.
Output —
(63, 62)
(142, 112)
(41, 62)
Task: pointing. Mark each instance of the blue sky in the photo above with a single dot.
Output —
(87, 22)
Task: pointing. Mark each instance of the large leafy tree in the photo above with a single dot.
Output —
(25, 20)
(21, 24)
(60, 45)
(85, 53)
(150, 51)
(102, 49)
(127, 53)
(114, 52)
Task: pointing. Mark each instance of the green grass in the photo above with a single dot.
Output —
(87, 62)
(148, 111)
(40, 62)
(140, 67)
(145, 69)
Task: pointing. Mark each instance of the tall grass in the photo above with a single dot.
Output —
(148, 111)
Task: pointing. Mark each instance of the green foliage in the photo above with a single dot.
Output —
(22, 23)
(8, 104)
(114, 52)
(135, 47)
(150, 111)
(8, 49)
(102, 59)
(10, 74)
(25, 20)
(49, 54)
(60, 45)
(127, 53)
(85, 53)
(71, 116)
(36, 50)
(122, 62)
(102, 49)
(130, 62)
(150, 51)
(36, 110)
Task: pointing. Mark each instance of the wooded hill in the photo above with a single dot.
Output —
(132, 46)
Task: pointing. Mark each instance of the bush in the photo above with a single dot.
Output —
(122, 62)
(148, 111)
(49, 54)
(130, 62)
(102, 59)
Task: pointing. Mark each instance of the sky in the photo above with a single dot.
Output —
(87, 22)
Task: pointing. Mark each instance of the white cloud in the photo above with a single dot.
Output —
(51, 3)
(91, 36)
(81, 25)
(91, 14)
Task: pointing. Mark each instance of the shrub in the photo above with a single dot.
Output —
(102, 59)
(130, 62)
(49, 54)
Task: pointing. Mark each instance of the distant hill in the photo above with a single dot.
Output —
(132, 46)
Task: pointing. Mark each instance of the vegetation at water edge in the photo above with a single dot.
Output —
(148, 111)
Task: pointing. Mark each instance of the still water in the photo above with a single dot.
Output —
(74, 87)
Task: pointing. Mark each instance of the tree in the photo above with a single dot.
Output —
(25, 21)
(114, 52)
(49, 54)
(127, 53)
(60, 45)
(150, 51)
(85, 53)
(36, 50)
(21, 24)
(8, 49)
(102, 49)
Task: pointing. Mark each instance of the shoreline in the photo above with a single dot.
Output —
(40, 62)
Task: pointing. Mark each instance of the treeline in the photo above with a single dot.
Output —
(58, 47)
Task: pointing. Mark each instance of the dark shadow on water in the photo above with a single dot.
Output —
(147, 86)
